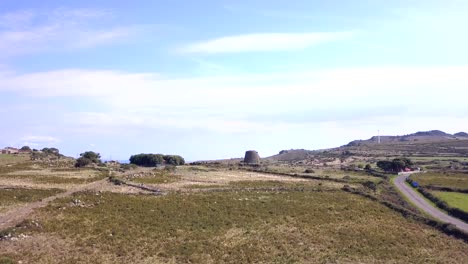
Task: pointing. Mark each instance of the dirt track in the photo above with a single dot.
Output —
(15, 216)
(419, 201)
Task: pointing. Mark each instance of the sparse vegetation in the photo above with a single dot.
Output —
(234, 227)
(288, 209)
(12, 196)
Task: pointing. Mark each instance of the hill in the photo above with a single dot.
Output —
(461, 134)
(426, 136)
(291, 155)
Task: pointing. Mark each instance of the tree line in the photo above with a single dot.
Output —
(396, 165)
(153, 160)
(145, 160)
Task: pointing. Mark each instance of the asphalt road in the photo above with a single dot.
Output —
(419, 201)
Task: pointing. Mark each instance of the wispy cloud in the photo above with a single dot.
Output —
(30, 31)
(133, 100)
(264, 42)
(34, 141)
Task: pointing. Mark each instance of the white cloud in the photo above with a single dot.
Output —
(117, 101)
(39, 140)
(265, 42)
(264, 93)
(60, 29)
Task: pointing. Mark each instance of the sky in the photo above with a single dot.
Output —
(210, 79)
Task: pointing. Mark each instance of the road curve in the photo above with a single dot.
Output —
(422, 204)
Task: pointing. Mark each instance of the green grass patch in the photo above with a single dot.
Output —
(6, 159)
(160, 178)
(450, 180)
(9, 197)
(65, 180)
(236, 227)
(7, 260)
(453, 199)
(309, 185)
(55, 177)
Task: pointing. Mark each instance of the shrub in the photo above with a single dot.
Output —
(82, 162)
(170, 168)
(50, 150)
(370, 185)
(92, 156)
(128, 166)
(174, 160)
(25, 148)
(87, 158)
(147, 160)
(309, 171)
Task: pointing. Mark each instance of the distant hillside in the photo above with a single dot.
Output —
(423, 136)
(291, 155)
(461, 134)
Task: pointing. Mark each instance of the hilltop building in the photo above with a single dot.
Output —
(10, 150)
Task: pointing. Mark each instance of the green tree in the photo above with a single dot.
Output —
(87, 158)
(398, 165)
(174, 160)
(147, 160)
(395, 165)
(82, 162)
(91, 155)
(385, 165)
(54, 151)
(25, 148)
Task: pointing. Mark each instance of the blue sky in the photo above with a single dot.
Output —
(211, 79)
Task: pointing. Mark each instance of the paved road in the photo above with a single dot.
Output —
(419, 201)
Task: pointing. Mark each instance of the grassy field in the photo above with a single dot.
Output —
(28, 172)
(450, 180)
(230, 227)
(214, 215)
(13, 197)
(453, 199)
(158, 177)
(8, 159)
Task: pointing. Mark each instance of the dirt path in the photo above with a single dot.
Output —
(15, 216)
(419, 201)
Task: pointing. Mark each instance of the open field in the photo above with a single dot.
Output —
(10, 197)
(33, 175)
(9, 159)
(449, 180)
(454, 199)
(206, 214)
(233, 227)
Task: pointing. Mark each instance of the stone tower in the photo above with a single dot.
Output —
(252, 157)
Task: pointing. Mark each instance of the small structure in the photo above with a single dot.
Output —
(252, 157)
(10, 150)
